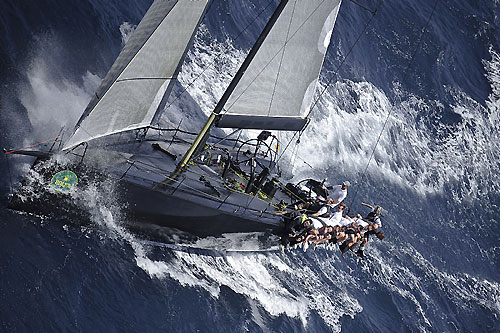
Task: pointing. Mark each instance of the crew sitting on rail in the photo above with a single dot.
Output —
(296, 233)
(324, 218)
(372, 230)
(354, 233)
(294, 228)
(318, 235)
(361, 230)
(350, 231)
(324, 211)
(323, 229)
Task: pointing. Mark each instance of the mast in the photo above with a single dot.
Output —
(203, 135)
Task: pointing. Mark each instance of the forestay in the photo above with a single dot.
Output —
(276, 90)
(144, 72)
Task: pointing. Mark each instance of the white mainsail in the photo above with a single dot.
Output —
(276, 90)
(144, 72)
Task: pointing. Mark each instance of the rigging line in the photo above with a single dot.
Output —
(405, 76)
(296, 147)
(281, 60)
(364, 7)
(284, 150)
(297, 155)
(288, 144)
(227, 136)
(83, 128)
(294, 156)
(146, 78)
(60, 135)
(213, 62)
(34, 145)
(343, 61)
(237, 140)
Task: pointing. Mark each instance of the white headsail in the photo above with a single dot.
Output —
(276, 90)
(143, 73)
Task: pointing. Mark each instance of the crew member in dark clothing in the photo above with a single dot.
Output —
(354, 234)
(296, 228)
(373, 230)
(309, 207)
(374, 214)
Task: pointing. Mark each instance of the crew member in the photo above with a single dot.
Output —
(374, 215)
(324, 211)
(372, 230)
(339, 192)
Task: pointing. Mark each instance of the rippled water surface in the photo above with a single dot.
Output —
(435, 173)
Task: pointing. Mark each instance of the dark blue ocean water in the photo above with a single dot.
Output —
(435, 172)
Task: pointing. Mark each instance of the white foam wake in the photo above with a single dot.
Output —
(412, 152)
(279, 284)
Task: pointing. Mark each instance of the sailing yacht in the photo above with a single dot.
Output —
(201, 183)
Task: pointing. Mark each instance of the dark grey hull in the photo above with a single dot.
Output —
(195, 215)
(199, 217)
(207, 207)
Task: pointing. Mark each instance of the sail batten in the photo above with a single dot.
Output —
(281, 80)
(145, 70)
(145, 78)
(262, 122)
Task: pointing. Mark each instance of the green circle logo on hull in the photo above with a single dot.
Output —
(63, 181)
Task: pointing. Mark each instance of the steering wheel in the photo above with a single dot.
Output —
(262, 150)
